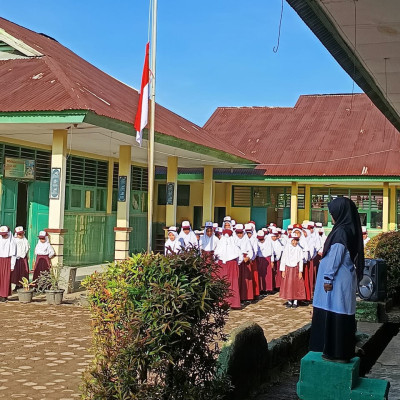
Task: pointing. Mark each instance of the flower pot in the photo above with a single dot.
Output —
(25, 296)
(84, 300)
(54, 296)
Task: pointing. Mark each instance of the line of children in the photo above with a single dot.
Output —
(14, 263)
(256, 262)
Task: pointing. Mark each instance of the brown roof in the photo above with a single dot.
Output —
(61, 80)
(343, 135)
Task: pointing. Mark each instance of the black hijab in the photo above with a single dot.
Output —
(347, 231)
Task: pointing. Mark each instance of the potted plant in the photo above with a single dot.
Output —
(49, 282)
(26, 293)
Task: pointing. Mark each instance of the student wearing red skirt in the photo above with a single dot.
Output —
(292, 287)
(8, 252)
(21, 269)
(44, 253)
(227, 254)
(264, 254)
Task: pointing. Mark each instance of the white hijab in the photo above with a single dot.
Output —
(8, 248)
(44, 249)
(172, 246)
(22, 246)
(208, 243)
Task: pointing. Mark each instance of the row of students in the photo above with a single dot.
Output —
(14, 263)
(250, 260)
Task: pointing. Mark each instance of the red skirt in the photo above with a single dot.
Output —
(5, 276)
(307, 283)
(42, 264)
(230, 271)
(262, 264)
(21, 270)
(256, 283)
(277, 275)
(270, 283)
(292, 287)
(246, 281)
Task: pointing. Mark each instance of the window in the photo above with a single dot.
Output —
(183, 195)
(101, 199)
(260, 196)
(76, 198)
(89, 199)
(369, 203)
(241, 196)
(301, 197)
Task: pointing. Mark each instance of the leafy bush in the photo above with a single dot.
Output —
(387, 246)
(156, 324)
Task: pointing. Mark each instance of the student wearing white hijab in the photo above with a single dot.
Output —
(208, 241)
(21, 269)
(227, 252)
(245, 256)
(173, 245)
(249, 228)
(44, 253)
(8, 252)
(188, 237)
(264, 254)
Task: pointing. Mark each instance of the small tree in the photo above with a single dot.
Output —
(157, 322)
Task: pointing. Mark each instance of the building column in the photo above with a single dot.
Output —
(307, 203)
(122, 230)
(385, 207)
(294, 202)
(172, 184)
(110, 176)
(393, 211)
(56, 229)
(208, 194)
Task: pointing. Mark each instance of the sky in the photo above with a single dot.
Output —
(210, 53)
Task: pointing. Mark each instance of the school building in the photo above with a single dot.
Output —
(70, 162)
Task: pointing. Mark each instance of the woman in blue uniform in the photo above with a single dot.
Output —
(333, 325)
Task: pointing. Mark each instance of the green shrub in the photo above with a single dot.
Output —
(369, 250)
(156, 324)
(388, 248)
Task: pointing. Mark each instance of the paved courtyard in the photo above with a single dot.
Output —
(44, 349)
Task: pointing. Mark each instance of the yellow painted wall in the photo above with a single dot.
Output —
(220, 195)
(240, 214)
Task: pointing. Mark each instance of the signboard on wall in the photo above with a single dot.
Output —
(170, 193)
(122, 188)
(19, 168)
(55, 183)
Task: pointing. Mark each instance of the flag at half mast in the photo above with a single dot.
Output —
(143, 105)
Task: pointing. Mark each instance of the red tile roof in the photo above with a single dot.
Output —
(333, 135)
(61, 80)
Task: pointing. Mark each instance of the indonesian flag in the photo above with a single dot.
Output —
(143, 106)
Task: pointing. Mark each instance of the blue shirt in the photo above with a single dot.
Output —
(336, 268)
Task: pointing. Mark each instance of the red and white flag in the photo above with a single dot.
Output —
(143, 106)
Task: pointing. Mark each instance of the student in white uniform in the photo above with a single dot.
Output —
(365, 235)
(8, 252)
(44, 253)
(173, 245)
(264, 254)
(187, 235)
(208, 241)
(245, 256)
(21, 269)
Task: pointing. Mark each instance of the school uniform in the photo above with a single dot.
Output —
(292, 287)
(173, 246)
(253, 262)
(208, 245)
(8, 252)
(188, 240)
(44, 252)
(21, 269)
(227, 254)
(277, 247)
(245, 271)
(264, 254)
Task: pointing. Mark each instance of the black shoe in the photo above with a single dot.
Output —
(289, 305)
(294, 305)
(3, 299)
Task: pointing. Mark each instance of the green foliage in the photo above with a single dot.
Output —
(388, 248)
(156, 324)
(50, 280)
(369, 250)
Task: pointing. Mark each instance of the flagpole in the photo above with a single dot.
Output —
(151, 127)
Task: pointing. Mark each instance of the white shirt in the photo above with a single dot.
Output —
(291, 256)
(264, 249)
(245, 247)
(208, 243)
(227, 249)
(22, 247)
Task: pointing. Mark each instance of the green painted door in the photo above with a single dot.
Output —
(286, 217)
(9, 203)
(38, 217)
(259, 216)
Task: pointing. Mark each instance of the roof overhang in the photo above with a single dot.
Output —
(101, 136)
(364, 38)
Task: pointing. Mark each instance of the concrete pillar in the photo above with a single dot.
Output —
(122, 230)
(385, 207)
(392, 214)
(294, 194)
(172, 178)
(208, 194)
(56, 229)
(110, 176)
